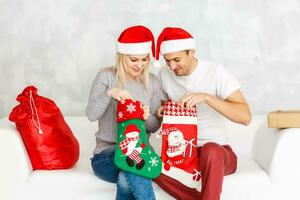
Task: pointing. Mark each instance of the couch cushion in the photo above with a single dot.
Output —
(241, 137)
(84, 131)
(248, 182)
(77, 183)
(80, 183)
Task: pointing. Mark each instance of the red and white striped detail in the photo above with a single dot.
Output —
(135, 156)
(174, 109)
(175, 114)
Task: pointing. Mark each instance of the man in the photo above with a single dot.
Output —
(216, 94)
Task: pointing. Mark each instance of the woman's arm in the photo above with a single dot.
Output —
(99, 99)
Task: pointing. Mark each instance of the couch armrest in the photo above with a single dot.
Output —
(15, 165)
(277, 152)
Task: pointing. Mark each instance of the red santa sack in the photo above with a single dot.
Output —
(179, 153)
(49, 141)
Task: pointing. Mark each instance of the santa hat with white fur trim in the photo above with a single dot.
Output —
(173, 39)
(136, 40)
(132, 128)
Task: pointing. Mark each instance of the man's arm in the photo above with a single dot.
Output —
(234, 107)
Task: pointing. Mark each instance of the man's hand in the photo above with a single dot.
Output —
(146, 112)
(159, 112)
(191, 99)
(234, 107)
(119, 94)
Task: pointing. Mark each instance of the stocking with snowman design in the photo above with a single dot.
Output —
(179, 141)
(133, 152)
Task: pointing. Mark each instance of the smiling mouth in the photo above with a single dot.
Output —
(177, 70)
(136, 70)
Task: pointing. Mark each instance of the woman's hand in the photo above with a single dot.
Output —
(146, 112)
(119, 94)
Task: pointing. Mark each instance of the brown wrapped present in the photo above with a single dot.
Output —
(284, 119)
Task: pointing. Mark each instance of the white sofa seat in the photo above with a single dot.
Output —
(249, 182)
(76, 183)
(261, 173)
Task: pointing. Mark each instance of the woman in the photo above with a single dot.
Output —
(130, 79)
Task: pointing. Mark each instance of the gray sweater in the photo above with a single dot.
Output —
(102, 107)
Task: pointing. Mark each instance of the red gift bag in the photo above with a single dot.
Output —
(49, 141)
(179, 145)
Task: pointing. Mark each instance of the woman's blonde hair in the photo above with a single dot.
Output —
(121, 72)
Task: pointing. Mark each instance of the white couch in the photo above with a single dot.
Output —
(268, 166)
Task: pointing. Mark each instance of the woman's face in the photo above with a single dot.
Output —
(135, 64)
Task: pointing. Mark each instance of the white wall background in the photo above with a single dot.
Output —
(59, 45)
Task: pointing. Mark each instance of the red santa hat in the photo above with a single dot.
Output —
(173, 39)
(131, 128)
(136, 40)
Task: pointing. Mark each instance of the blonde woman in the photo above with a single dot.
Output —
(130, 78)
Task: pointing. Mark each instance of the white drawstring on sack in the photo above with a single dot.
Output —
(32, 105)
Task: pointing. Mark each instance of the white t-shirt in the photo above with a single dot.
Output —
(208, 77)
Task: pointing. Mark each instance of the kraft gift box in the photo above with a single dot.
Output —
(284, 119)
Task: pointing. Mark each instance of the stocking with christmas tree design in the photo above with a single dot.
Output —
(133, 152)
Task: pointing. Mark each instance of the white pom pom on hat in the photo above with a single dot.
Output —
(156, 63)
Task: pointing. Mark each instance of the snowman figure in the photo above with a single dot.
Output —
(175, 150)
(132, 146)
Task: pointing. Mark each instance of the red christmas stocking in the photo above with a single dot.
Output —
(179, 153)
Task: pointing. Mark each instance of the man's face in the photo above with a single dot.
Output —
(180, 62)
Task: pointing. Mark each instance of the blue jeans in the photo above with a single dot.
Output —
(129, 186)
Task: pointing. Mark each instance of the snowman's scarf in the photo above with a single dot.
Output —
(173, 149)
(125, 143)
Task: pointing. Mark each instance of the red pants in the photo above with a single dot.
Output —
(215, 162)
